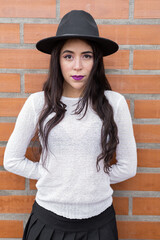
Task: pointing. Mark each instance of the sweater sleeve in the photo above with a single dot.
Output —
(25, 128)
(126, 153)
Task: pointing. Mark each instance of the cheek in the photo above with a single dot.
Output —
(65, 67)
(90, 65)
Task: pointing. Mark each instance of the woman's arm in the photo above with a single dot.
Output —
(126, 153)
(25, 128)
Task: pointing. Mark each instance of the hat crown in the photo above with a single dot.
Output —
(77, 22)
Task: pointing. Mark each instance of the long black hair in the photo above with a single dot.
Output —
(96, 84)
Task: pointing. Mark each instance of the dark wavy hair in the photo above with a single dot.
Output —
(94, 89)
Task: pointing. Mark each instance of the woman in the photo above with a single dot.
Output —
(81, 124)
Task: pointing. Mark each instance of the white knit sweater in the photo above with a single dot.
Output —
(72, 187)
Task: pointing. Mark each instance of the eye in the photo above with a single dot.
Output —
(68, 57)
(87, 56)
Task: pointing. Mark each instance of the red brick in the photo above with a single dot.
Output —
(139, 230)
(121, 205)
(146, 59)
(28, 9)
(35, 32)
(135, 83)
(1, 155)
(148, 158)
(141, 182)
(147, 133)
(32, 153)
(16, 204)
(146, 206)
(9, 33)
(125, 34)
(99, 9)
(6, 130)
(10, 107)
(33, 184)
(147, 109)
(34, 82)
(23, 58)
(11, 229)
(119, 60)
(10, 82)
(146, 9)
(10, 181)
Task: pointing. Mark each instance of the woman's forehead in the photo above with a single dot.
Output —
(76, 45)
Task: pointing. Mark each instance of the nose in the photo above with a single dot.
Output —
(78, 64)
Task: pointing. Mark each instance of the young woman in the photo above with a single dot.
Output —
(81, 125)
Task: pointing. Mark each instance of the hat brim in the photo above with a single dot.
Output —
(108, 46)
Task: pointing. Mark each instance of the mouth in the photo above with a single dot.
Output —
(77, 77)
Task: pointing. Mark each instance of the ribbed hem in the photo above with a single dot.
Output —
(76, 211)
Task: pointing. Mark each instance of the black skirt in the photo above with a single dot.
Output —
(46, 225)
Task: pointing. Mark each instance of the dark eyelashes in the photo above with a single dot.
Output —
(67, 56)
(85, 55)
(88, 56)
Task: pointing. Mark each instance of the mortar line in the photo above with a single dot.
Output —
(122, 46)
(131, 10)
(130, 59)
(22, 83)
(107, 71)
(125, 193)
(57, 10)
(151, 21)
(21, 33)
(130, 206)
(132, 107)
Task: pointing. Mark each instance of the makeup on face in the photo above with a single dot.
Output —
(76, 62)
(77, 77)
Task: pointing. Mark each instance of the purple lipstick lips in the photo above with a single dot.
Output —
(77, 77)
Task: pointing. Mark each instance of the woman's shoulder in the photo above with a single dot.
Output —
(117, 101)
(37, 100)
(113, 97)
(37, 95)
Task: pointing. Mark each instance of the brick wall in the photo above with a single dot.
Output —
(133, 71)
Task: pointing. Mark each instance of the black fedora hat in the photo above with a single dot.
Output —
(78, 24)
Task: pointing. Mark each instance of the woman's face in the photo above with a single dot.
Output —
(76, 61)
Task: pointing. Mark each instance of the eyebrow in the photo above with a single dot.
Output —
(68, 51)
